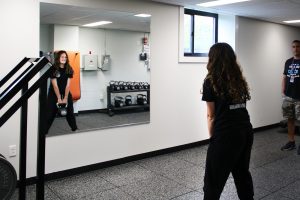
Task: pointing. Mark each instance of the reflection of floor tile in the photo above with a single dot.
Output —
(59, 125)
(93, 121)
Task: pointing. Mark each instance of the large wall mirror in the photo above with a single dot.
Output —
(111, 61)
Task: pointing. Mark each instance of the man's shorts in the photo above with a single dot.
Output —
(291, 108)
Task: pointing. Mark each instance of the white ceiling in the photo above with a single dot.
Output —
(275, 11)
(78, 16)
(269, 10)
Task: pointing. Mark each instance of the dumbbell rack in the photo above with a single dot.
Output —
(111, 108)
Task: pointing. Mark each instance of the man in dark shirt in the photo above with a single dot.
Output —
(291, 94)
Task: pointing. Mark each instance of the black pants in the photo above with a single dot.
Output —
(52, 111)
(229, 152)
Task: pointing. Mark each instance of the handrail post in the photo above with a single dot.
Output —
(23, 147)
(41, 146)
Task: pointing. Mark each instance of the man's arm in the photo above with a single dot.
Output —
(283, 82)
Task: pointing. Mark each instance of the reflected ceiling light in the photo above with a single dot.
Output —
(97, 23)
(143, 15)
(292, 21)
(220, 2)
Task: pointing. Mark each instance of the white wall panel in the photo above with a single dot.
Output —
(66, 38)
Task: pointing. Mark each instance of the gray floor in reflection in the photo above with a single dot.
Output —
(179, 176)
(94, 121)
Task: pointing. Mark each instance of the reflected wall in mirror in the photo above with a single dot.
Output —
(112, 63)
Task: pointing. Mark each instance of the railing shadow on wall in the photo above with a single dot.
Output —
(31, 67)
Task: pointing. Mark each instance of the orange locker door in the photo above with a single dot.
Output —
(74, 60)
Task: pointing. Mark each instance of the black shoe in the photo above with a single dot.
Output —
(289, 146)
(298, 152)
(74, 129)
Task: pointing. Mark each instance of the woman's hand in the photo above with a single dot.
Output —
(65, 100)
(59, 101)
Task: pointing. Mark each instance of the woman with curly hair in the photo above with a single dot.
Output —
(226, 91)
(59, 90)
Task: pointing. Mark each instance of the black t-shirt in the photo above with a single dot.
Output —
(228, 116)
(61, 79)
(292, 84)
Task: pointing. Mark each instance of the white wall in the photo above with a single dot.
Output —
(66, 37)
(46, 37)
(226, 27)
(179, 121)
(19, 37)
(262, 49)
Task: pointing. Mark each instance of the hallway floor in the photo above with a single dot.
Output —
(179, 176)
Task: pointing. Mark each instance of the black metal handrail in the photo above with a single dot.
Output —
(37, 65)
(13, 71)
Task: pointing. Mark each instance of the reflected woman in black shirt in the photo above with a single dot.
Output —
(59, 90)
(226, 91)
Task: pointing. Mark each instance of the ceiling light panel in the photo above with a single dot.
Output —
(97, 23)
(220, 2)
(142, 15)
(292, 21)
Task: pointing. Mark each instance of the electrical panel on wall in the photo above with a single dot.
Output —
(90, 62)
(106, 61)
(145, 55)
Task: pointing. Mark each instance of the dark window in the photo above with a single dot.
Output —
(200, 32)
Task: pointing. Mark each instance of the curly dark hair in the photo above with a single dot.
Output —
(56, 64)
(225, 74)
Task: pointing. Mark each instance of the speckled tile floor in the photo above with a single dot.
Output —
(179, 176)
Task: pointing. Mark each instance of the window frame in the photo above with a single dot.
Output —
(200, 13)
